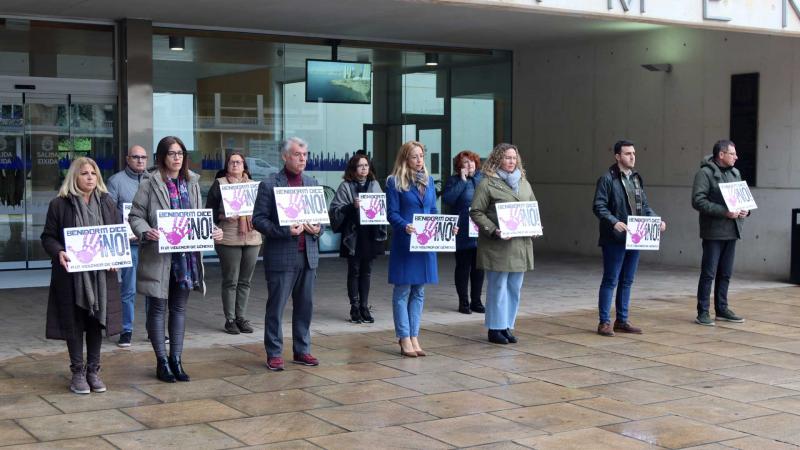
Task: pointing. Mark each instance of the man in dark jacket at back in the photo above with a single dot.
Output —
(619, 194)
(719, 230)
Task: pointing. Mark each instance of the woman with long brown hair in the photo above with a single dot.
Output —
(166, 279)
(238, 249)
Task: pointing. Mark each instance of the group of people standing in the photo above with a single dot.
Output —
(81, 305)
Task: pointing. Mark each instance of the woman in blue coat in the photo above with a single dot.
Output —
(458, 194)
(409, 191)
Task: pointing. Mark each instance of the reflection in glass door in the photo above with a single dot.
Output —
(40, 134)
(432, 139)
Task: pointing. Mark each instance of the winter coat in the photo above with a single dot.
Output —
(707, 199)
(458, 195)
(153, 271)
(611, 204)
(61, 298)
(345, 219)
(230, 229)
(406, 267)
(494, 253)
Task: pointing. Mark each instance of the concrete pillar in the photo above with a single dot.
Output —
(135, 84)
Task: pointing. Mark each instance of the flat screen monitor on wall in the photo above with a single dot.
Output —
(338, 81)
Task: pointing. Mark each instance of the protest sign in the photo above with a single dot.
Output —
(644, 233)
(301, 205)
(97, 248)
(126, 211)
(519, 219)
(434, 233)
(473, 227)
(737, 196)
(372, 210)
(238, 199)
(185, 230)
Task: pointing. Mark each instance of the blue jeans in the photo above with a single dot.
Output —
(619, 269)
(502, 299)
(128, 291)
(407, 301)
(717, 267)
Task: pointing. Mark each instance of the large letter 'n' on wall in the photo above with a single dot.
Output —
(626, 5)
(796, 9)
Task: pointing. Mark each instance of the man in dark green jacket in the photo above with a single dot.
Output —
(719, 230)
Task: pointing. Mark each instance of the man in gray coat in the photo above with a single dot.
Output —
(291, 257)
(122, 187)
(719, 230)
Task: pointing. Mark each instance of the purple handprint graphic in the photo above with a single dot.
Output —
(427, 233)
(514, 219)
(237, 202)
(636, 237)
(91, 245)
(180, 229)
(375, 206)
(295, 206)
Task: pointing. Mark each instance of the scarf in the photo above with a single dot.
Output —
(245, 222)
(90, 286)
(421, 181)
(184, 264)
(511, 179)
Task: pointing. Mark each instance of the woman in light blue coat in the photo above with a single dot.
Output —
(409, 191)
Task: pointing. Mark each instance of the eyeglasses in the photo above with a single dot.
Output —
(138, 157)
(731, 153)
(175, 155)
(235, 163)
(363, 166)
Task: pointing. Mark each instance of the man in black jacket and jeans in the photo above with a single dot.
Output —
(619, 194)
(719, 230)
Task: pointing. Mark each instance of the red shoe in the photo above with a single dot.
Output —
(305, 359)
(275, 363)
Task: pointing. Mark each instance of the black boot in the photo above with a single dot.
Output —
(497, 337)
(177, 368)
(163, 371)
(510, 337)
(355, 313)
(477, 306)
(463, 306)
(366, 316)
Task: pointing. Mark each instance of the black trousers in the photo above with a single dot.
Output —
(93, 332)
(359, 272)
(156, 316)
(466, 274)
(716, 267)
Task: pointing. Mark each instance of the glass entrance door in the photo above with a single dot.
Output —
(40, 135)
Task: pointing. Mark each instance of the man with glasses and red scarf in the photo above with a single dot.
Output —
(122, 187)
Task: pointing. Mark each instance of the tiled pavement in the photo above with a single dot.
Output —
(679, 385)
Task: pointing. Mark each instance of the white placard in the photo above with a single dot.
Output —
(372, 208)
(737, 196)
(97, 248)
(519, 219)
(126, 211)
(301, 205)
(473, 227)
(238, 199)
(644, 233)
(185, 230)
(434, 233)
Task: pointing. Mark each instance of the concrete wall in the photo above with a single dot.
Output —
(573, 101)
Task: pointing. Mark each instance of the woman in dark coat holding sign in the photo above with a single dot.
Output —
(360, 243)
(409, 191)
(81, 304)
(504, 259)
(167, 278)
(238, 250)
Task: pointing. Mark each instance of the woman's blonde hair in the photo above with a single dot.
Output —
(495, 159)
(403, 175)
(70, 184)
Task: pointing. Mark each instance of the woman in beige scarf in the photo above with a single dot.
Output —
(238, 250)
